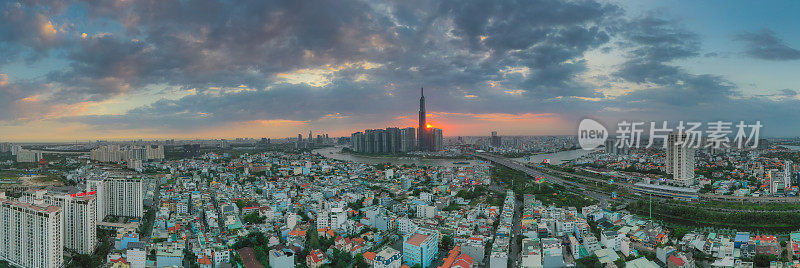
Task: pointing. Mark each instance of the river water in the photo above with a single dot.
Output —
(334, 153)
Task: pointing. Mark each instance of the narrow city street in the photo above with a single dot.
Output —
(516, 232)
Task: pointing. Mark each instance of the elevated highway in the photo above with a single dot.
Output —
(570, 185)
(555, 179)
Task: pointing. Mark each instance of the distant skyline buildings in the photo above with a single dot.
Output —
(395, 140)
(121, 153)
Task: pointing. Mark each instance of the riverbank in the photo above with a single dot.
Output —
(335, 153)
(346, 150)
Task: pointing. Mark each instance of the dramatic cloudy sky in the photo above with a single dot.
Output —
(96, 69)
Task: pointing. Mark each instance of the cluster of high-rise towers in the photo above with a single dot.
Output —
(395, 140)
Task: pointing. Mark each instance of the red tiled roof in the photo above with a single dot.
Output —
(204, 260)
(417, 239)
(677, 261)
(120, 259)
(316, 256)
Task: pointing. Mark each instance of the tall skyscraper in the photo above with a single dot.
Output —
(30, 234)
(680, 159)
(422, 131)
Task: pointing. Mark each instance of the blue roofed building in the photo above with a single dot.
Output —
(740, 239)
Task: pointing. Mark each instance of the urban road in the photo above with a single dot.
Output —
(605, 198)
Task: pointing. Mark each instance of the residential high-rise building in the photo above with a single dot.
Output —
(680, 159)
(117, 153)
(28, 156)
(788, 173)
(30, 234)
(15, 149)
(408, 139)
(356, 141)
(611, 147)
(391, 140)
(107, 153)
(118, 197)
(155, 152)
(496, 142)
(78, 211)
(5, 147)
(437, 139)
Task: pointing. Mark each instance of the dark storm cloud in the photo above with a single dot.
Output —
(692, 90)
(654, 43)
(27, 30)
(766, 45)
(671, 93)
(284, 102)
(371, 58)
(198, 44)
(541, 35)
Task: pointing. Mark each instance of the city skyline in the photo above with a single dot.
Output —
(153, 70)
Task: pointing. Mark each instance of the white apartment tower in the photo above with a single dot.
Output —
(78, 215)
(30, 234)
(788, 173)
(28, 156)
(118, 197)
(680, 159)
